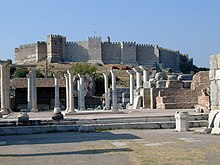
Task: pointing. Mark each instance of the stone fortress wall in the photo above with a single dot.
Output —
(93, 50)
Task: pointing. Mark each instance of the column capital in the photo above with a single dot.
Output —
(137, 70)
(65, 75)
(105, 74)
(81, 75)
(70, 71)
(112, 71)
(131, 72)
(142, 67)
(55, 75)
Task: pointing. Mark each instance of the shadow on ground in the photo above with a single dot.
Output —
(95, 151)
(67, 137)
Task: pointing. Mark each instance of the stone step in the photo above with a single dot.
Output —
(178, 99)
(182, 105)
(94, 127)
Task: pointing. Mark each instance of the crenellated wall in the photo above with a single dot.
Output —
(56, 49)
(128, 53)
(94, 48)
(147, 55)
(25, 54)
(76, 51)
(170, 58)
(111, 52)
(41, 51)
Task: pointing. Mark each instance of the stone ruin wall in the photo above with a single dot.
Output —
(26, 54)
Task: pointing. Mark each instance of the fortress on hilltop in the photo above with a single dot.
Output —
(93, 50)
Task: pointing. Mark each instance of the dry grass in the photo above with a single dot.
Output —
(175, 152)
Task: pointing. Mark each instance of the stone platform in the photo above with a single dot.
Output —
(90, 121)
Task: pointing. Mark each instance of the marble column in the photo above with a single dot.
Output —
(29, 92)
(131, 73)
(81, 98)
(33, 90)
(138, 78)
(145, 76)
(67, 92)
(57, 94)
(5, 88)
(107, 103)
(71, 94)
(57, 111)
(114, 94)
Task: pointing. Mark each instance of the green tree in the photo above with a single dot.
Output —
(21, 72)
(39, 74)
(84, 68)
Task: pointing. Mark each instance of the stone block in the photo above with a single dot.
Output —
(172, 77)
(214, 107)
(160, 76)
(182, 121)
(174, 84)
(214, 121)
(57, 116)
(214, 86)
(212, 116)
(187, 84)
(161, 84)
(214, 99)
(212, 75)
(213, 62)
(185, 77)
(218, 60)
(217, 75)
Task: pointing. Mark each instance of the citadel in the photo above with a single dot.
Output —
(94, 50)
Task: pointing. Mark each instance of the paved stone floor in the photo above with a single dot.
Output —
(116, 147)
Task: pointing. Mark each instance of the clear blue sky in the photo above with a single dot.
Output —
(191, 26)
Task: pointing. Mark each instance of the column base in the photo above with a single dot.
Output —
(34, 110)
(23, 119)
(106, 108)
(70, 112)
(115, 110)
(57, 110)
(57, 116)
(5, 111)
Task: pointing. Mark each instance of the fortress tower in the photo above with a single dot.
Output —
(94, 50)
(55, 48)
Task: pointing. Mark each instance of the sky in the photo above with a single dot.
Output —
(190, 26)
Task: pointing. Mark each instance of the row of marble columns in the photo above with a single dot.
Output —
(138, 72)
(70, 93)
(32, 92)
